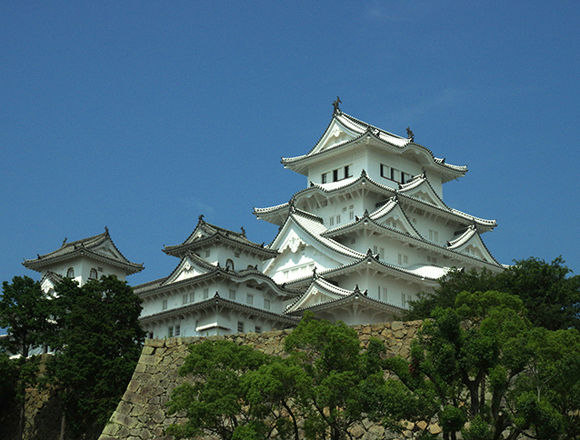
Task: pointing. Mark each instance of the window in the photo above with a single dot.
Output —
(250, 299)
(94, 275)
(232, 294)
(70, 273)
(240, 327)
(207, 253)
(394, 174)
(352, 240)
(324, 178)
(382, 293)
(150, 335)
(205, 293)
(403, 300)
(351, 215)
(177, 330)
(431, 260)
(170, 332)
(185, 298)
(229, 264)
(267, 304)
(347, 172)
(433, 236)
(335, 175)
(331, 221)
(402, 259)
(258, 329)
(338, 219)
(164, 305)
(192, 297)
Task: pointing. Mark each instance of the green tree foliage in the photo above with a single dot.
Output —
(490, 374)
(548, 291)
(97, 341)
(550, 294)
(24, 312)
(234, 395)
(325, 381)
(343, 385)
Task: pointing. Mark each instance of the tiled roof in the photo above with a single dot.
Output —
(241, 276)
(89, 247)
(222, 302)
(457, 215)
(206, 234)
(363, 130)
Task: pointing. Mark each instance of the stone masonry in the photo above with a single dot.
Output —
(141, 413)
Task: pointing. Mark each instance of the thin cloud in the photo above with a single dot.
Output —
(403, 11)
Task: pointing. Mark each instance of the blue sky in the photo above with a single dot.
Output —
(142, 115)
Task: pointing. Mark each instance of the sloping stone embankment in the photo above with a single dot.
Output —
(141, 413)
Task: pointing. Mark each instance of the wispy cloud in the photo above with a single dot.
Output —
(443, 100)
(403, 10)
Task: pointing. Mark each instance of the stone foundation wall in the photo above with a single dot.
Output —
(141, 413)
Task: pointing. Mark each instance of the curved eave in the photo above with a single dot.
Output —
(418, 241)
(238, 277)
(39, 263)
(349, 301)
(219, 302)
(373, 263)
(181, 249)
(331, 245)
(300, 164)
(278, 214)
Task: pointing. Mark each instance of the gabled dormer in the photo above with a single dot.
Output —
(82, 260)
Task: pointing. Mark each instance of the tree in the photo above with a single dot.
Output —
(236, 392)
(490, 374)
(223, 398)
(548, 292)
(97, 341)
(24, 313)
(339, 377)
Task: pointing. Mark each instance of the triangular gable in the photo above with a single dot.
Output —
(299, 232)
(471, 244)
(390, 215)
(421, 189)
(109, 250)
(187, 268)
(335, 134)
(320, 291)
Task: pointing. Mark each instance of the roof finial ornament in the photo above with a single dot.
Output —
(243, 231)
(335, 105)
(64, 241)
(410, 134)
(314, 274)
(200, 218)
(106, 230)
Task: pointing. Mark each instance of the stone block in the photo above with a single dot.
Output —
(357, 431)
(397, 325)
(123, 420)
(157, 343)
(435, 429)
(134, 398)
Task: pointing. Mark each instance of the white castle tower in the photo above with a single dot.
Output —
(371, 229)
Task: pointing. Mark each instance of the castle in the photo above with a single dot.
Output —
(369, 232)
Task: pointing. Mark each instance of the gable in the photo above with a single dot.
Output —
(392, 216)
(471, 244)
(423, 191)
(187, 268)
(335, 134)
